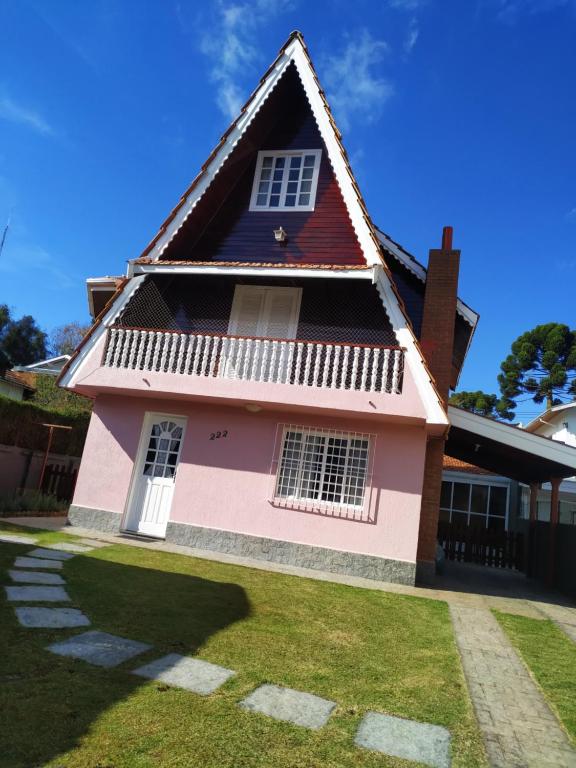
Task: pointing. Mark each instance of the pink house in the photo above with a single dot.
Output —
(262, 377)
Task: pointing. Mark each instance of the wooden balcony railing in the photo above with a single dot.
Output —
(363, 367)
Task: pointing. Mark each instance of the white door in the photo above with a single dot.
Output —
(263, 312)
(155, 473)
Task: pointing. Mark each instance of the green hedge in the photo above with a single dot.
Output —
(21, 425)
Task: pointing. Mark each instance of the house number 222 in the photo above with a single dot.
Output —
(218, 435)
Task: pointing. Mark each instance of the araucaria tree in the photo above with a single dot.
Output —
(542, 364)
(477, 402)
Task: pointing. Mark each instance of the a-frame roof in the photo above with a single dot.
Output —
(294, 53)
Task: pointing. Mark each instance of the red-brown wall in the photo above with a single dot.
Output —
(324, 235)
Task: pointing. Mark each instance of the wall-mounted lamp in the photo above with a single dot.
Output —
(281, 236)
(253, 407)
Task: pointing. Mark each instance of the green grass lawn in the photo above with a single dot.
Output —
(365, 649)
(551, 657)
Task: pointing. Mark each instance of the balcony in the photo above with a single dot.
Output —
(317, 365)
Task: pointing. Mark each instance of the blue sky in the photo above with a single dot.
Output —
(458, 112)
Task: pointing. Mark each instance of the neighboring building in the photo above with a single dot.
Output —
(51, 367)
(16, 386)
(271, 377)
(557, 423)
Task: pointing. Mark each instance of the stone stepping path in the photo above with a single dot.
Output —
(99, 648)
(13, 538)
(93, 543)
(51, 618)
(37, 594)
(36, 577)
(36, 562)
(69, 547)
(519, 728)
(289, 705)
(194, 675)
(410, 740)
(35, 585)
(422, 742)
(50, 554)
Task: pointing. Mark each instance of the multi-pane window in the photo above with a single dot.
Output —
(478, 505)
(163, 448)
(286, 180)
(324, 467)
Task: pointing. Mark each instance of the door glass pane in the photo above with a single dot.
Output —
(461, 496)
(498, 501)
(479, 499)
(496, 523)
(444, 515)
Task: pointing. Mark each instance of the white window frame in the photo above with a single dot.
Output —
(487, 480)
(285, 153)
(239, 292)
(357, 512)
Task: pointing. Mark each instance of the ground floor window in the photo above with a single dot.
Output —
(323, 470)
(478, 505)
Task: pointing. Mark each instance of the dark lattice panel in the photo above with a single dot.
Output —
(339, 311)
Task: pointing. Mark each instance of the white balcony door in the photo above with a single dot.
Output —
(155, 474)
(263, 312)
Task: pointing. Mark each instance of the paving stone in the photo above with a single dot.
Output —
(65, 546)
(99, 648)
(292, 706)
(40, 594)
(49, 554)
(35, 562)
(185, 672)
(36, 577)
(51, 618)
(94, 543)
(12, 538)
(506, 699)
(422, 742)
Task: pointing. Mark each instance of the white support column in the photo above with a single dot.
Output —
(335, 368)
(318, 350)
(375, 358)
(354, 367)
(385, 367)
(125, 348)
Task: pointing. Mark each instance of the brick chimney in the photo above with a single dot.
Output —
(437, 342)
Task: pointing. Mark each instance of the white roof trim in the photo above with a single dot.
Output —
(435, 412)
(70, 378)
(222, 154)
(189, 269)
(56, 359)
(514, 437)
(420, 271)
(295, 53)
(547, 414)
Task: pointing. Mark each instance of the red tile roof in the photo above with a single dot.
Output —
(456, 465)
(249, 264)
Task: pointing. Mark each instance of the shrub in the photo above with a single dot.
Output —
(21, 425)
(31, 501)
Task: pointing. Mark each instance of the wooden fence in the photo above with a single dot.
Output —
(498, 549)
(60, 481)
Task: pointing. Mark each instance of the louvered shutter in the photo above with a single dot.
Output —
(280, 318)
(248, 311)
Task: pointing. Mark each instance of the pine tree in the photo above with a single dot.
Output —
(542, 364)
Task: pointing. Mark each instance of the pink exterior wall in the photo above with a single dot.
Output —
(226, 484)
(95, 379)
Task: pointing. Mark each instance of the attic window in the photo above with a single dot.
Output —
(286, 181)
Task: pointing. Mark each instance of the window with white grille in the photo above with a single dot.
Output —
(286, 181)
(324, 471)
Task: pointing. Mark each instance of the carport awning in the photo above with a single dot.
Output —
(507, 450)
